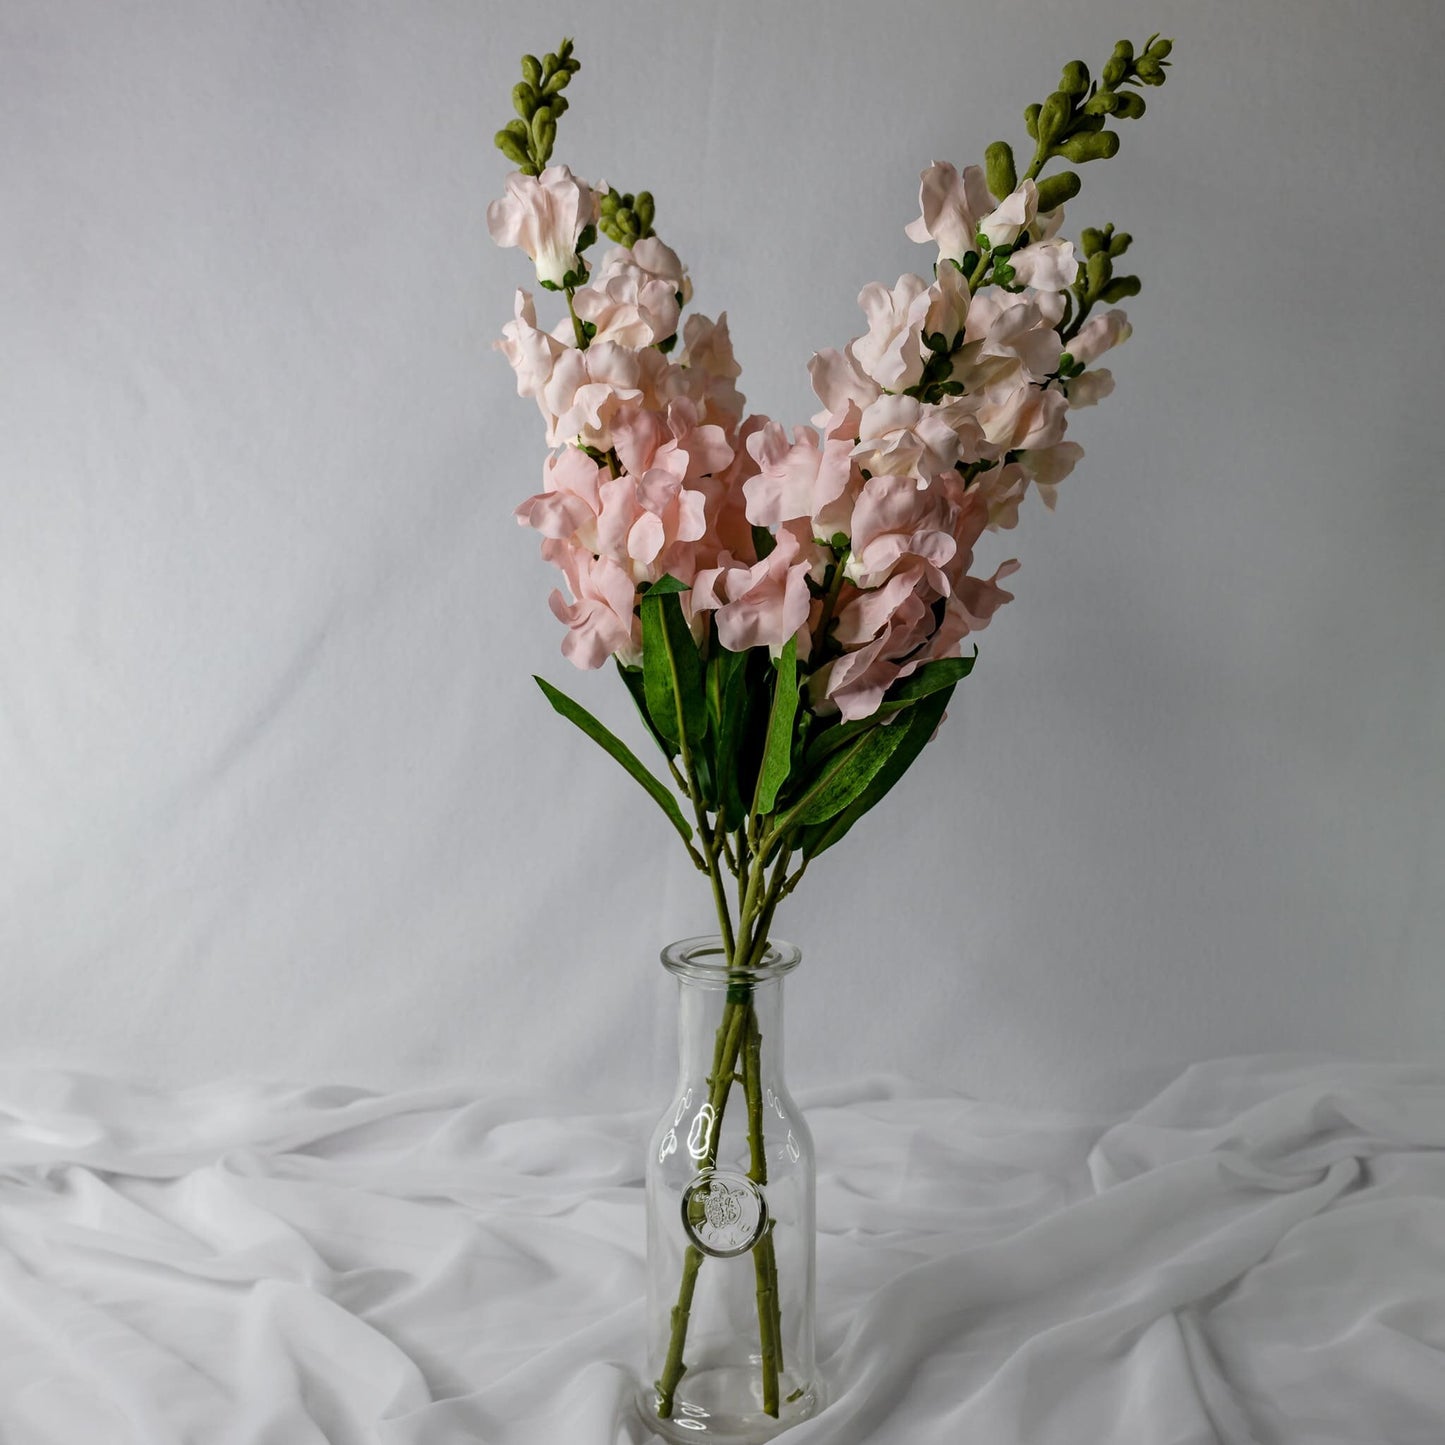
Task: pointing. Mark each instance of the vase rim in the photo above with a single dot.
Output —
(704, 960)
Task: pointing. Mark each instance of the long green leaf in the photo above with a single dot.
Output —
(671, 669)
(917, 727)
(632, 681)
(844, 775)
(611, 744)
(778, 750)
(727, 674)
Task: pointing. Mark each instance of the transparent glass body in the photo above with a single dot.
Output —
(730, 1214)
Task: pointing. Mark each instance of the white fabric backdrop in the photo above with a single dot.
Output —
(276, 793)
(1256, 1257)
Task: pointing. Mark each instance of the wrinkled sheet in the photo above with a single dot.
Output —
(1257, 1255)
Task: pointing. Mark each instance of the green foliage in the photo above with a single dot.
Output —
(615, 748)
(537, 98)
(778, 749)
(914, 731)
(671, 668)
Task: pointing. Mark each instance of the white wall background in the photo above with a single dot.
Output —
(277, 795)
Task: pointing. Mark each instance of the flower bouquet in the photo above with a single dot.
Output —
(789, 611)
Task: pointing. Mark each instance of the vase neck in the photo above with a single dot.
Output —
(704, 1011)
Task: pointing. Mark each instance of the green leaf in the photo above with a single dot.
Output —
(632, 680)
(611, 744)
(844, 775)
(671, 668)
(728, 670)
(917, 728)
(778, 750)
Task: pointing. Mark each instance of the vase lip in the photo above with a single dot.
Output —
(704, 960)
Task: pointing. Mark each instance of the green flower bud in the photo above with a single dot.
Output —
(1106, 102)
(1057, 111)
(1099, 269)
(1003, 176)
(564, 50)
(1161, 49)
(520, 129)
(549, 67)
(1120, 289)
(512, 148)
(1124, 50)
(532, 69)
(1031, 120)
(541, 119)
(546, 141)
(556, 82)
(558, 104)
(1115, 71)
(1150, 71)
(1120, 243)
(1088, 124)
(1100, 147)
(1055, 190)
(645, 211)
(1131, 105)
(1075, 79)
(524, 99)
(1092, 239)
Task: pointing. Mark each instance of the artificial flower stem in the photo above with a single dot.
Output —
(764, 1266)
(730, 1038)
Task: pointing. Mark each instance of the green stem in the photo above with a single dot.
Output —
(732, 1030)
(764, 1264)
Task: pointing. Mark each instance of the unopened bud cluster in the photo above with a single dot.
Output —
(1070, 123)
(537, 98)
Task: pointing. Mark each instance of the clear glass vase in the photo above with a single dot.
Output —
(730, 1214)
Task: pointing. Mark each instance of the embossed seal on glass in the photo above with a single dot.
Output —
(724, 1213)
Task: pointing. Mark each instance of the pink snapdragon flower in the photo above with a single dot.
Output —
(797, 481)
(569, 506)
(970, 609)
(675, 439)
(902, 436)
(1091, 388)
(655, 260)
(1100, 334)
(1046, 265)
(599, 618)
(584, 392)
(1047, 468)
(629, 306)
(956, 209)
(838, 380)
(545, 215)
(711, 370)
(648, 524)
(887, 626)
(899, 525)
(530, 351)
(762, 605)
(892, 351)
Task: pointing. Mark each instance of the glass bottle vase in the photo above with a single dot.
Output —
(730, 1214)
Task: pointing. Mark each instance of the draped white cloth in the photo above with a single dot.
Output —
(1255, 1257)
